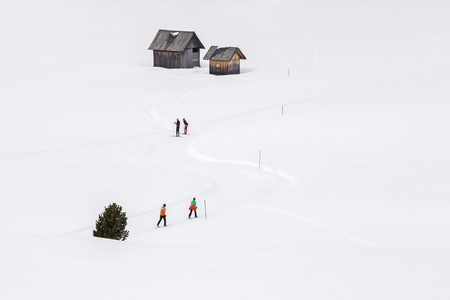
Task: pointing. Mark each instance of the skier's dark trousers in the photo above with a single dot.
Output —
(195, 212)
(161, 218)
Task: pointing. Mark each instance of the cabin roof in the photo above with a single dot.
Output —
(174, 40)
(224, 53)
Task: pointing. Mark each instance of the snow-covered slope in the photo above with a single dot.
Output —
(347, 103)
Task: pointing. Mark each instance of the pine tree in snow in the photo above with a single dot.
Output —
(111, 223)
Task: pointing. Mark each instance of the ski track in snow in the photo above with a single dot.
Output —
(80, 146)
(157, 119)
(382, 86)
(200, 156)
(153, 116)
(315, 50)
(433, 126)
(319, 225)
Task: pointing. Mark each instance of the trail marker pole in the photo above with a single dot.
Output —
(206, 217)
(282, 110)
(259, 165)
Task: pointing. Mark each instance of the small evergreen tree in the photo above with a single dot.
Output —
(111, 223)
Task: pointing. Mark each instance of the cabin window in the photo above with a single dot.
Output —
(195, 50)
(217, 66)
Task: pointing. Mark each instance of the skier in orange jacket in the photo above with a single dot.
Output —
(162, 215)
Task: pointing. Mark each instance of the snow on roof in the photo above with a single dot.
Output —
(174, 40)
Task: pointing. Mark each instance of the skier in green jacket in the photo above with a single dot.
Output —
(193, 208)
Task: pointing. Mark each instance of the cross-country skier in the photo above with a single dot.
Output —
(162, 215)
(178, 127)
(193, 208)
(185, 125)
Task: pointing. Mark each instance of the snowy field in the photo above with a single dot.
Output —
(352, 197)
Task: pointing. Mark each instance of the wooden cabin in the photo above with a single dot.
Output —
(224, 61)
(174, 49)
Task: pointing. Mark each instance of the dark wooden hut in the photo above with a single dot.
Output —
(224, 61)
(174, 49)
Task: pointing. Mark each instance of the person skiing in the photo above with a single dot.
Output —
(185, 125)
(193, 208)
(178, 127)
(162, 215)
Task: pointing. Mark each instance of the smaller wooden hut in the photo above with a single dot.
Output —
(224, 61)
(174, 49)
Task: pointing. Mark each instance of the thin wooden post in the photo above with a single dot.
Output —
(206, 217)
(282, 110)
(288, 72)
(260, 159)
